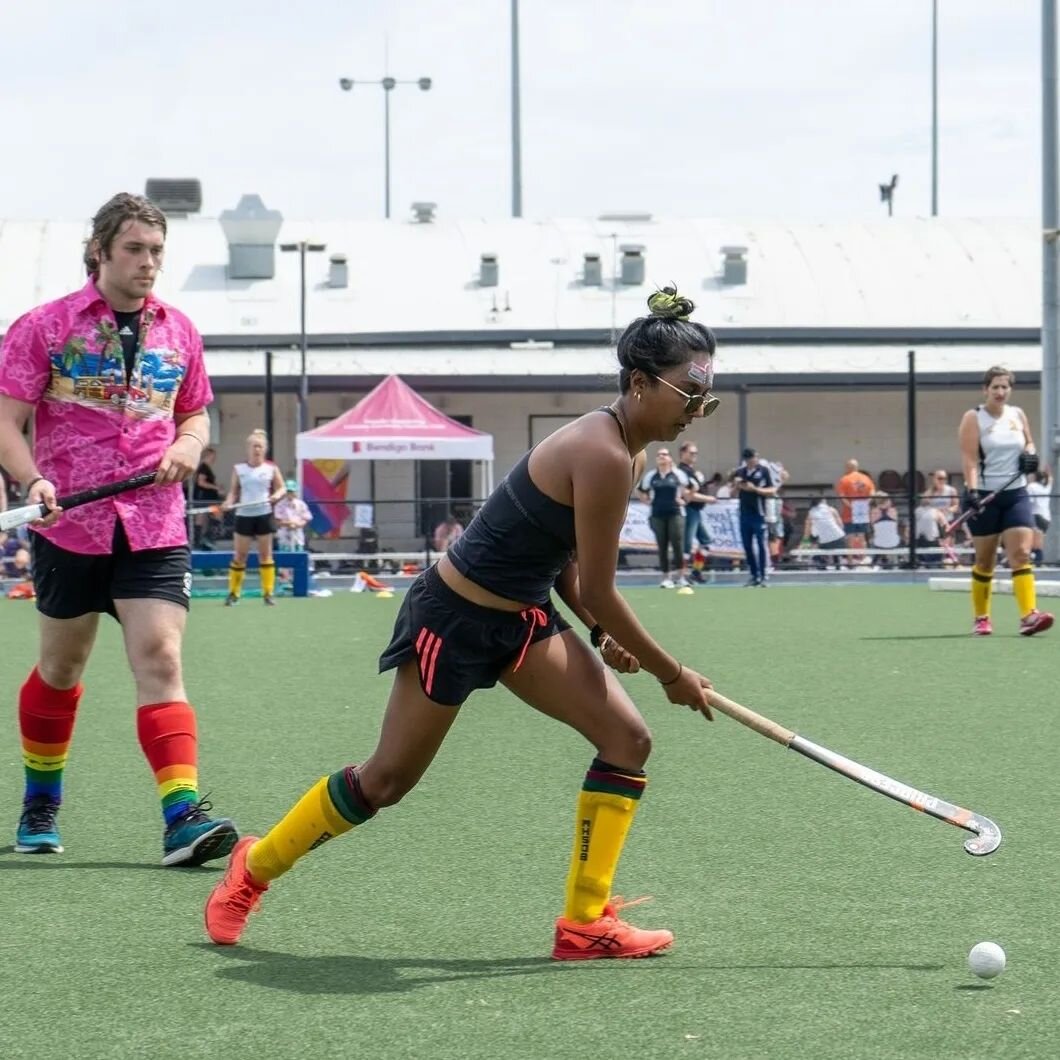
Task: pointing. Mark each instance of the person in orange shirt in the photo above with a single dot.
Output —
(855, 489)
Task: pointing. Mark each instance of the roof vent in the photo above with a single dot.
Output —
(251, 231)
(632, 264)
(593, 275)
(734, 266)
(488, 271)
(338, 271)
(424, 212)
(175, 197)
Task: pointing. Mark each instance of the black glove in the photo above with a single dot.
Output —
(1028, 463)
(972, 501)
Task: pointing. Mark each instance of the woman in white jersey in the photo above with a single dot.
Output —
(256, 486)
(996, 444)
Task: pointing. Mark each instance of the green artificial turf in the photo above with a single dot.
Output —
(814, 918)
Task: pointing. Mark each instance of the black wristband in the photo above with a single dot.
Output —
(673, 680)
(596, 634)
(33, 482)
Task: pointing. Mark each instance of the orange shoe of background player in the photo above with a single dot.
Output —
(233, 900)
(607, 937)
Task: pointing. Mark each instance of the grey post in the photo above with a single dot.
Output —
(517, 154)
(934, 108)
(1049, 442)
(301, 248)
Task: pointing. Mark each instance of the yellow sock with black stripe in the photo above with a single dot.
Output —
(1023, 589)
(268, 578)
(982, 583)
(235, 578)
(606, 805)
(332, 806)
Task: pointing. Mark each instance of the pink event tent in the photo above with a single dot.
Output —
(394, 423)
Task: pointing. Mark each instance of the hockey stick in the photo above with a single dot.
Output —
(987, 835)
(220, 509)
(972, 513)
(30, 513)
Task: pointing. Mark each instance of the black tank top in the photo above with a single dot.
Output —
(518, 542)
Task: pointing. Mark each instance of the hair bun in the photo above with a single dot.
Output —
(669, 305)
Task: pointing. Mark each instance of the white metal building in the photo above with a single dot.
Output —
(509, 324)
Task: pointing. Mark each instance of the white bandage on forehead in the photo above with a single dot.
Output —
(703, 374)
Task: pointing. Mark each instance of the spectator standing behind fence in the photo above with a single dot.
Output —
(696, 500)
(205, 490)
(1039, 486)
(447, 533)
(930, 525)
(855, 489)
(292, 516)
(773, 506)
(944, 496)
(753, 480)
(886, 529)
(665, 489)
(824, 528)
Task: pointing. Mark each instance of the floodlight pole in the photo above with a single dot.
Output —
(1049, 443)
(517, 161)
(388, 84)
(934, 108)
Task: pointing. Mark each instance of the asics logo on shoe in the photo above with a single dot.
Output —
(601, 942)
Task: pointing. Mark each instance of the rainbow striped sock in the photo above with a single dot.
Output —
(46, 724)
(169, 741)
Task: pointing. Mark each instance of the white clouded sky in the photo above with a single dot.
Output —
(735, 108)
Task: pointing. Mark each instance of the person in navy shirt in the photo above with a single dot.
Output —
(665, 488)
(754, 482)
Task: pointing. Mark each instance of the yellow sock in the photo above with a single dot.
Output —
(982, 583)
(332, 806)
(235, 578)
(606, 805)
(268, 578)
(1023, 590)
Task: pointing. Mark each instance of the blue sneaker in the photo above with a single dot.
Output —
(193, 838)
(37, 832)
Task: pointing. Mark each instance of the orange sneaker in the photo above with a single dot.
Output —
(1035, 622)
(607, 937)
(233, 900)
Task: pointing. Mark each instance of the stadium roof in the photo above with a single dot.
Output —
(419, 283)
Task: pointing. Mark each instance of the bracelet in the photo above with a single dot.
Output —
(33, 482)
(596, 634)
(674, 679)
(192, 434)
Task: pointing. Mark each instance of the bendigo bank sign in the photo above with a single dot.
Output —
(393, 448)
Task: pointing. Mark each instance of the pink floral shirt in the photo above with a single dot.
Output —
(91, 427)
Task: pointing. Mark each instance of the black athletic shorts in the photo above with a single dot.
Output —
(70, 584)
(1042, 523)
(255, 525)
(1010, 510)
(461, 646)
